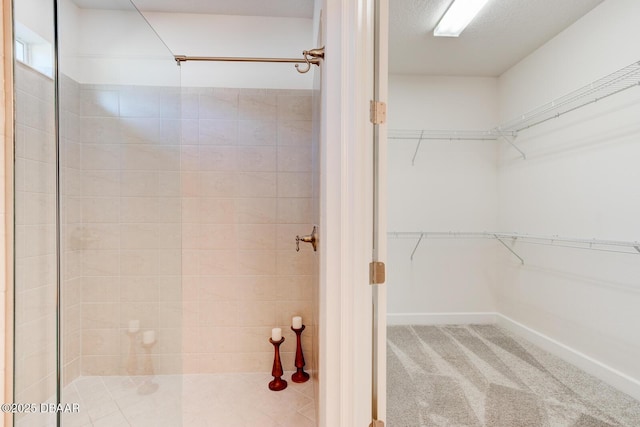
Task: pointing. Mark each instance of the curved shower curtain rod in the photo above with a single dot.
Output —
(312, 56)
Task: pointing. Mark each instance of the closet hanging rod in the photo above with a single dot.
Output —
(619, 81)
(630, 247)
(312, 56)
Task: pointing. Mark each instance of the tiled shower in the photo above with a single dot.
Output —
(179, 208)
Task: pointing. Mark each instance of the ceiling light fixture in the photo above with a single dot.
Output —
(457, 17)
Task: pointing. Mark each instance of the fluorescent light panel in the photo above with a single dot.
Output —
(457, 17)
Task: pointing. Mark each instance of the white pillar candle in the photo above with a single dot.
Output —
(148, 337)
(134, 326)
(276, 334)
(296, 322)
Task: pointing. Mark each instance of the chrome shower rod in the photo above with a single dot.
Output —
(312, 56)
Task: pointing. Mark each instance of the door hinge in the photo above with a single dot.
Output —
(376, 273)
(376, 423)
(377, 112)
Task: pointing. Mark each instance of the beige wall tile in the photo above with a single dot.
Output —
(195, 241)
(257, 107)
(101, 156)
(219, 105)
(218, 313)
(218, 210)
(170, 288)
(294, 184)
(294, 132)
(294, 159)
(217, 132)
(100, 263)
(256, 236)
(255, 184)
(100, 209)
(140, 235)
(218, 262)
(217, 184)
(296, 210)
(138, 289)
(139, 130)
(218, 288)
(256, 262)
(169, 183)
(139, 183)
(100, 289)
(139, 209)
(290, 262)
(256, 210)
(141, 262)
(102, 315)
(256, 158)
(170, 262)
(257, 132)
(294, 107)
(101, 183)
(146, 312)
(99, 103)
(100, 130)
(218, 158)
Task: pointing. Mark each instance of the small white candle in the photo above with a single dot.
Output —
(149, 337)
(296, 322)
(276, 334)
(134, 326)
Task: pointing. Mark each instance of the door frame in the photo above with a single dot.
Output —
(346, 219)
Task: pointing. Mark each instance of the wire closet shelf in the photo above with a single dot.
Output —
(612, 84)
(617, 246)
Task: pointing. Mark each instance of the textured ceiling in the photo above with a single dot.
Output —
(503, 33)
(282, 8)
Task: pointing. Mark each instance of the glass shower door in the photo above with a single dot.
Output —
(98, 235)
(121, 228)
(35, 216)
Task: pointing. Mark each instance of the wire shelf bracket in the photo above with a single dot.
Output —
(509, 249)
(413, 160)
(510, 139)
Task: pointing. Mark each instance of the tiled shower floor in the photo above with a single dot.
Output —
(195, 400)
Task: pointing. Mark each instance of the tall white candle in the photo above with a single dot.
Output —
(276, 334)
(296, 322)
(134, 326)
(148, 337)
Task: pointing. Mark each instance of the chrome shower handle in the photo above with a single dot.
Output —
(308, 238)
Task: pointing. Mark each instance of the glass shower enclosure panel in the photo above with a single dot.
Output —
(35, 243)
(98, 222)
(121, 229)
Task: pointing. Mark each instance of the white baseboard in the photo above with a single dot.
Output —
(611, 376)
(482, 318)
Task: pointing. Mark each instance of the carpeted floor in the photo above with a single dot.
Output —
(482, 375)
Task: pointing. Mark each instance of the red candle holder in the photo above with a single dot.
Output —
(300, 376)
(277, 383)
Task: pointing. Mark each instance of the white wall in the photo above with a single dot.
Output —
(120, 47)
(452, 187)
(251, 36)
(580, 180)
(35, 14)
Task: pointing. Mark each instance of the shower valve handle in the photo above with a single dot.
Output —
(309, 238)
